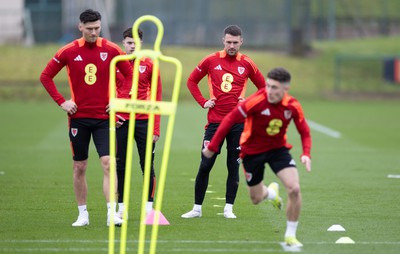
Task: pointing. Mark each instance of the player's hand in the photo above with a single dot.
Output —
(120, 121)
(306, 161)
(69, 106)
(155, 138)
(207, 153)
(240, 99)
(108, 108)
(210, 103)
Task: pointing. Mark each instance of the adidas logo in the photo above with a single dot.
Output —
(218, 68)
(292, 162)
(266, 112)
(78, 58)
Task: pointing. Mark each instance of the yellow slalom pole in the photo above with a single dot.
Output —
(167, 146)
(112, 92)
(128, 163)
(151, 108)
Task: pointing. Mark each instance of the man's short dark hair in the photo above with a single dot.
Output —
(128, 33)
(279, 74)
(233, 30)
(89, 15)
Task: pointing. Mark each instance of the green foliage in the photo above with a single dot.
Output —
(348, 186)
(359, 8)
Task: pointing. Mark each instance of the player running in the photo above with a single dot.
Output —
(267, 115)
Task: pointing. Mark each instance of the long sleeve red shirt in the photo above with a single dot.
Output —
(88, 72)
(227, 80)
(143, 90)
(265, 125)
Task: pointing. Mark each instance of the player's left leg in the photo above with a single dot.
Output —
(290, 179)
(141, 127)
(79, 135)
(232, 163)
(80, 189)
(102, 142)
(122, 142)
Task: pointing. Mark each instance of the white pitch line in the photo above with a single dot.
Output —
(323, 129)
(181, 249)
(55, 241)
(175, 250)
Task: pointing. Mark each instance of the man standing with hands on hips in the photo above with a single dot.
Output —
(88, 62)
(228, 72)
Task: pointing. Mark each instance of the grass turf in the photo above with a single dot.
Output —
(348, 186)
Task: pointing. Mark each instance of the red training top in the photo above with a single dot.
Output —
(227, 80)
(88, 69)
(266, 124)
(143, 90)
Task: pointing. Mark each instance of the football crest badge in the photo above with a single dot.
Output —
(248, 176)
(103, 55)
(74, 132)
(142, 68)
(288, 114)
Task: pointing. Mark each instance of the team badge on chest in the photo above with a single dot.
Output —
(142, 68)
(241, 70)
(103, 55)
(288, 114)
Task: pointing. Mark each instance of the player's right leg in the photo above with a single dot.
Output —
(122, 142)
(80, 189)
(101, 138)
(232, 163)
(141, 127)
(79, 135)
(290, 178)
(200, 187)
(203, 174)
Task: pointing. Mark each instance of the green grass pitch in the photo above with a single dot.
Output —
(348, 185)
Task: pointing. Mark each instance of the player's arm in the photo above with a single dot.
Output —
(47, 78)
(259, 80)
(305, 135)
(193, 84)
(123, 85)
(157, 118)
(52, 68)
(119, 81)
(243, 93)
(255, 75)
(125, 68)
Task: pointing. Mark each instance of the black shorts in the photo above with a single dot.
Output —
(232, 138)
(254, 165)
(80, 132)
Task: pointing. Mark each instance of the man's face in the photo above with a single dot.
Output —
(232, 44)
(90, 30)
(276, 90)
(129, 45)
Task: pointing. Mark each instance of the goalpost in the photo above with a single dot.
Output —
(152, 108)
